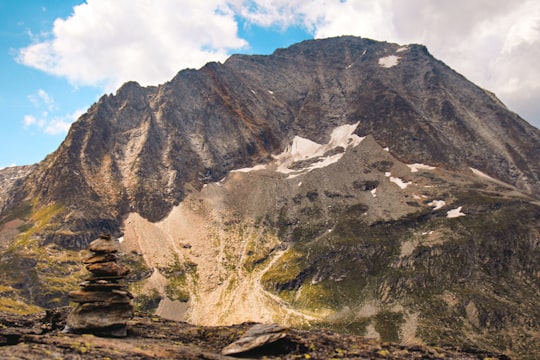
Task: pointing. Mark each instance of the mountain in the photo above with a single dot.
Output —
(344, 183)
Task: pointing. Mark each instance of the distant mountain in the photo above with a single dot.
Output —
(344, 183)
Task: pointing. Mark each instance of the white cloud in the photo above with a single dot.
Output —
(54, 126)
(106, 43)
(29, 120)
(495, 43)
(42, 99)
(281, 13)
(59, 125)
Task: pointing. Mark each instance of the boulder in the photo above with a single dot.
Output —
(104, 244)
(91, 317)
(257, 336)
(110, 268)
(114, 297)
(100, 258)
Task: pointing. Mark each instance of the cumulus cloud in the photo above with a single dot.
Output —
(495, 43)
(42, 99)
(106, 43)
(29, 120)
(58, 124)
(62, 124)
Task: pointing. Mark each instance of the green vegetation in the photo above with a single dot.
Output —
(357, 262)
(176, 289)
(38, 221)
(139, 270)
(22, 212)
(287, 269)
(388, 324)
(145, 300)
(28, 261)
(259, 246)
(20, 307)
(180, 278)
(346, 325)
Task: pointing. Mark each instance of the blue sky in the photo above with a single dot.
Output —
(25, 91)
(57, 57)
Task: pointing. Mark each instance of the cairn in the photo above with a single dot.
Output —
(103, 303)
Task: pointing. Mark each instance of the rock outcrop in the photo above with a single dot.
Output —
(38, 336)
(104, 304)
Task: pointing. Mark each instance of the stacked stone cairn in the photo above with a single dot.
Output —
(103, 302)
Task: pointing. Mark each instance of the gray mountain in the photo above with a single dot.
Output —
(344, 183)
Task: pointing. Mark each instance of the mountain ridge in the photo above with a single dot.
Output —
(290, 109)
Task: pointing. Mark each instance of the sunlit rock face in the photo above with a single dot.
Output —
(343, 182)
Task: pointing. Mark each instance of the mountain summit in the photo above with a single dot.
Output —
(344, 182)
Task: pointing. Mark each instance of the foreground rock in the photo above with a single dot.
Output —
(104, 305)
(39, 336)
(256, 337)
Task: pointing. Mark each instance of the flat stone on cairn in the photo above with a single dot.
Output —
(104, 305)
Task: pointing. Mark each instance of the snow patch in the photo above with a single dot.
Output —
(389, 61)
(403, 48)
(388, 174)
(386, 149)
(374, 192)
(455, 213)
(254, 168)
(303, 149)
(416, 167)
(270, 92)
(437, 204)
(399, 182)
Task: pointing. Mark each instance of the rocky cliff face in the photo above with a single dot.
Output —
(343, 182)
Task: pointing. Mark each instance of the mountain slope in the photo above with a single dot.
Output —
(343, 182)
(145, 148)
(410, 253)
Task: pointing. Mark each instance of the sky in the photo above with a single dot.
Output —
(58, 57)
